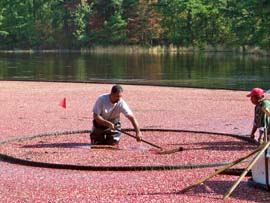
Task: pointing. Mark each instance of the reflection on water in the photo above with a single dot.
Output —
(218, 70)
(137, 148)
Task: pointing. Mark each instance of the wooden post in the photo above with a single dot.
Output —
(247, 169)
(221, 169)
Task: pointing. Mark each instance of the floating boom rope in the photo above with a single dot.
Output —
(15, 160)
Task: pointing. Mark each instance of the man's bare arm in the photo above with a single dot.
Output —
(266, 111)
(102, 121)
(135, 124)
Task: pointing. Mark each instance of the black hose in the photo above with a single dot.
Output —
(14, 160)
(235, 172)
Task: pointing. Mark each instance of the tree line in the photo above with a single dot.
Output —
(73, 24)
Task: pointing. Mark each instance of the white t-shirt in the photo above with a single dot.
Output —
(109, 111)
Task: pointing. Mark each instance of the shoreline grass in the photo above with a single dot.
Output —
(155, 50)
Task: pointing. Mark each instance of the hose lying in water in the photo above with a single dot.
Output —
(14, 160)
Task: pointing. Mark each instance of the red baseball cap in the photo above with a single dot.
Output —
(256, 92)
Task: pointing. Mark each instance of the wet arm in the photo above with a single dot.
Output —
(254, 129)
(102, 121)
(135, 124)
(266, 111)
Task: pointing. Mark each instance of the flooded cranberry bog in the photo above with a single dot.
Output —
(45, 157)
(68, 149)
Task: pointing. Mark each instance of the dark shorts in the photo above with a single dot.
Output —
(103, 136)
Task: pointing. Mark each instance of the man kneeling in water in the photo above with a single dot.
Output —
(106, 118)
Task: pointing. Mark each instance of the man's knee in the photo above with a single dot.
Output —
(113, 138)
(97, 136)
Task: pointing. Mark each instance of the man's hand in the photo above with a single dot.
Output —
(139, 136)
(103, 121)
(136, 127)
(111, 125)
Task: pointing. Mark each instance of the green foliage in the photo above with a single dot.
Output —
(115, 29)
(143, 27)
(80, 17)
(45, 24)
(3, 33)
(194, 22)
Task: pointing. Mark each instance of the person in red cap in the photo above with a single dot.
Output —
(261, 113)
(106, 118)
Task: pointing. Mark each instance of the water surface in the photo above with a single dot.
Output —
(207, 70)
